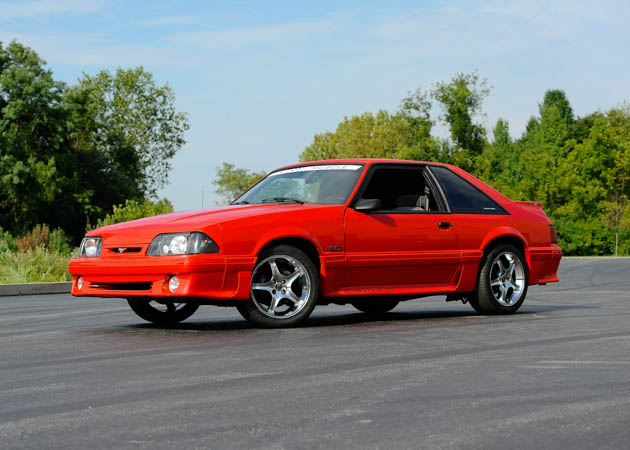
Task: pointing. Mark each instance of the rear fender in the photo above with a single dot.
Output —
(505, 231)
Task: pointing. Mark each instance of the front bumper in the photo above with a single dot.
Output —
(204, 276)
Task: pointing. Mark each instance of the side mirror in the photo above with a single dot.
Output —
(368, 204)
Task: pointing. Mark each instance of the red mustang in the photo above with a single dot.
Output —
(361, 231)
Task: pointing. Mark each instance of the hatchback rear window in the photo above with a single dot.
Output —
(462, 196)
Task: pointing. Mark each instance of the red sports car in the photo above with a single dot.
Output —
(361, 231)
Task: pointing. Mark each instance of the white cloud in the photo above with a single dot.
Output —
(258, 35)
(39, 8)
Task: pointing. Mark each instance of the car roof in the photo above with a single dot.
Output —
(367, 161)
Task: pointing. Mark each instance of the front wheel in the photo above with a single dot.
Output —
(161, 312)
(502, 282)
(283, 290)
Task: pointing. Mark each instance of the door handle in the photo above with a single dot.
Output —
(445, 224)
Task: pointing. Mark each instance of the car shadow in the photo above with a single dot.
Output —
(343, 318)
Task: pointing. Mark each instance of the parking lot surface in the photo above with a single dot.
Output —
(87, 373)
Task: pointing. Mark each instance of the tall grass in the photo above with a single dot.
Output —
(39, 256)
(33, 266)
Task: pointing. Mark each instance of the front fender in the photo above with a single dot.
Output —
(287, 233)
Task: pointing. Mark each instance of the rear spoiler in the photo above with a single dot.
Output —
(534, 204)
(534, 207)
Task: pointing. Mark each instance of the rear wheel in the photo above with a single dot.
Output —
(502, 283)
(161, 312)
(376, 306)
(283, 290)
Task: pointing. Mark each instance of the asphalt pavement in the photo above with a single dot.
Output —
(78, 373)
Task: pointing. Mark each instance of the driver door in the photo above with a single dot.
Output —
(410, 243)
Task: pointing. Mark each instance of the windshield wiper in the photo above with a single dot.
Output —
(281, 200)
(242, 202)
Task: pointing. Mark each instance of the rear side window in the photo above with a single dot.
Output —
(462, 196)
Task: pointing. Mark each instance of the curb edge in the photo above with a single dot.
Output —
(62, 287)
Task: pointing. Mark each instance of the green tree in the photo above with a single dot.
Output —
(617, 206)
(543, 150)
(617, 216)
(499, 161)
(68, 154)
(558, 99)
(461, 101)
(585, 175)
(130, 120)
(232, 181)
(365, 136)
(421, 145)
(401, 135)
(31, 138)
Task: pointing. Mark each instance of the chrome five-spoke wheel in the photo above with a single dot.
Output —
(283, 290)
(280, 286)
(502, 283)
(507, 278)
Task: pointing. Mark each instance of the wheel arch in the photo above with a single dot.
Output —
(504, 239)
(507, 237)
(300, 242)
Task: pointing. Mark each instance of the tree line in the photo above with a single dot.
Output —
(70, 153)
(578, 167)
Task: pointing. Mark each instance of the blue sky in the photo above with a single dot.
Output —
(260, 79)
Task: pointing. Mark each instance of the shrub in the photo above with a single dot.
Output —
(59, 242)
(7, 242)
(37, 237)
(41, 237)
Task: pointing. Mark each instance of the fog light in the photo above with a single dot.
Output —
(173, 284)
(79, 283)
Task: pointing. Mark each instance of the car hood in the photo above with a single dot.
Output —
(142, 231)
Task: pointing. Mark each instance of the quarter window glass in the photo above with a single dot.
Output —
(462, 196)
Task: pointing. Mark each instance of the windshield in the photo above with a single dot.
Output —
(326, 184)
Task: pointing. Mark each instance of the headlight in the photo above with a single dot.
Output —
(182, 244)
(91, 247)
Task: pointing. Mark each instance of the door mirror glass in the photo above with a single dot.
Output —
(368, 204)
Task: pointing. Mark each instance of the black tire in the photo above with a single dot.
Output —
(162, 313)
(290, 307)
(375, 306)
(497, 291)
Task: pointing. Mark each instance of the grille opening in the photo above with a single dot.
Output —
(139, 286)
(124, 250)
